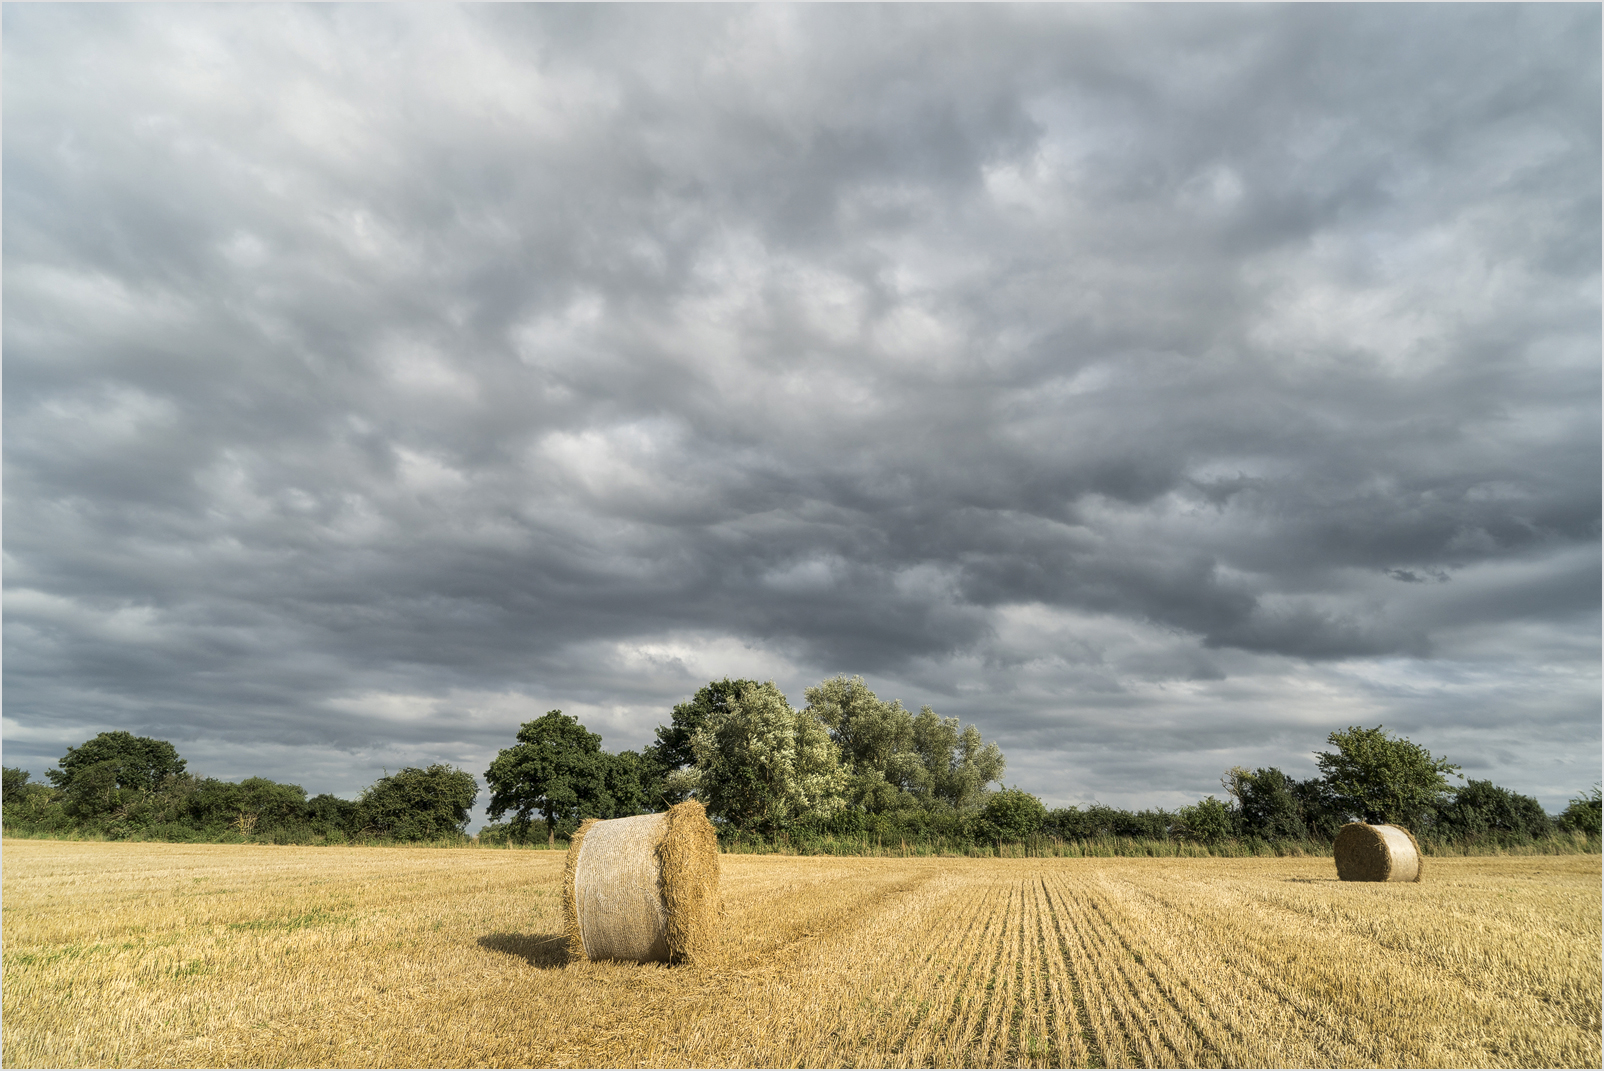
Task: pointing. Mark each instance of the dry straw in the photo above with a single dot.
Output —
(643, 888)
(1377, 853)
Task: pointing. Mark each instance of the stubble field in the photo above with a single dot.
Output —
(182, 955)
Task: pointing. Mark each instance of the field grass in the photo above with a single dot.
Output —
(182, 955)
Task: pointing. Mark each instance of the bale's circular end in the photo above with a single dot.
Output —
(1376, 853)
(688, 861)
(1361, 854)
(643, 889)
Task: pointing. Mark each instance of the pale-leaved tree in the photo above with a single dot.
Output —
(877, 744)
(763, 765)
(960, 764)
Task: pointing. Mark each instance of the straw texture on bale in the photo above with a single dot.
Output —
(1377, 853)
(643, 889)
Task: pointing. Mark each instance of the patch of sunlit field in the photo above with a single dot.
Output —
(223, 955)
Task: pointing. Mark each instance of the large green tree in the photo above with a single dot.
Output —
(1377, 777)
(959, 764)
(253, 806)
(558, 771)
(115, 775)
(1584, 812)
(898, 760)
(1011, 814)
(763, 765)
(877, 744)
(632, 786)
(1483, 807)
(1267, 803)
(672, 752)
(15, 785)
(139, 762)
(419, 804)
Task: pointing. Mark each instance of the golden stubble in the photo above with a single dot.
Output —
(222, 955)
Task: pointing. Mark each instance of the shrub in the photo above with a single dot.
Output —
(1583, 813)
(414, 804)
(331, 817)
(1266, 804)
(1208, 821)
(1011, 815)
(1099, 822)
(14, 786)
(1483, 807)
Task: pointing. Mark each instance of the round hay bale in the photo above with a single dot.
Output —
(1377, 853)
(643, 889)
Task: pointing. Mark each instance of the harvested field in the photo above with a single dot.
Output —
(154, 954)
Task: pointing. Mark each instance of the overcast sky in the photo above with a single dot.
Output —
(1158, 388)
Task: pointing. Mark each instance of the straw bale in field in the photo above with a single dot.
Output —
(643, 888)
(1377, 853)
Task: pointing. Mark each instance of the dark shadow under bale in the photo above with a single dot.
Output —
(543, 950)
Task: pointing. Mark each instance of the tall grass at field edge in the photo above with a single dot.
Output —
(463, 842)
(1131, 847)
(740, 843)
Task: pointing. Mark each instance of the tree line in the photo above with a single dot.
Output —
(756, 762)
(122, 786)
(850, 764)
(845, 765)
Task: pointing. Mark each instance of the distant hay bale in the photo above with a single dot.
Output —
(1377, 853)
(644, 888)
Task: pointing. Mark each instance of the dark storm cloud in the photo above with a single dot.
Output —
(1170, 384)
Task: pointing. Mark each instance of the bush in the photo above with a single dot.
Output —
(1319, 807)
(1267, 806)
(14, 785)
(1482, 807)
(1208, 821)
(137, 763)
(332, 818)
(1098, 822)
(173, 832)
(215, 806)
(1583, 813)
(1010, 815)
(32, 806)
(414, 804)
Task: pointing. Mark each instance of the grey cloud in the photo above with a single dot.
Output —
(361, 352)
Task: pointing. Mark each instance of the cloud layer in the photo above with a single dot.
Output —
(1159, 388)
